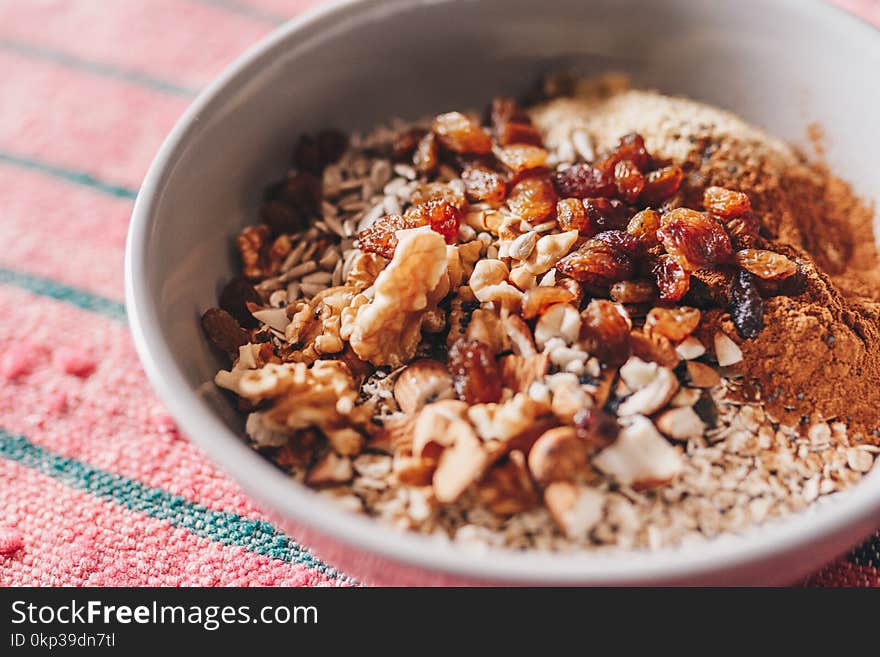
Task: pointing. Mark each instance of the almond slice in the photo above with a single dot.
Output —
(727, 352)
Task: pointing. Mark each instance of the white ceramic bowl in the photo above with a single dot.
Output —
(781, 64)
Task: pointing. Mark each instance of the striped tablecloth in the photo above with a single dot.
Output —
(97, 486)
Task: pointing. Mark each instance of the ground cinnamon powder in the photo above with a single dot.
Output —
(818, 356)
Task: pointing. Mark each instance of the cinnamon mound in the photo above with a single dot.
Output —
(819, 353)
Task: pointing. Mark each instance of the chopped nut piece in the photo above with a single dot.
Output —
(329, 470)
(653, 348)
(364, 270)
(422, 382)
(727, 352)
(859, 459)
(438, 426)
(459, 466)
(576, 509)
(680, 423)
(672, 323)
(690, 348)
(558, 455)
(640, 457)
(520, 336)
(504, 421)
(486, 327)
(701, 375)
(387, 330)
(653, 396)
(506, 488)
(489, 283)
(537, 300)
(548, 250)
(560, 321)
(519, 372)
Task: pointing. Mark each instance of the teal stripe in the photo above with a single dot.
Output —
(95, 68)
(75, 177)
(49, 288)
(249, 11)
(256, 536)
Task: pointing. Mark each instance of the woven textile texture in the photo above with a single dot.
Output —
(97, 487)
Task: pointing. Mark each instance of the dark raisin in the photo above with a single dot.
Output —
(605, 214)
(331, 145)
(223, 331)
(234, 299)
(306, 156)
(746, 305)
(584, 181)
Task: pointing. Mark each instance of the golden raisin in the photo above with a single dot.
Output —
(725, 203)
(521, 157)
(643, 226)
(632, 291)
(511, 124)
(598, 265)
(672, 323)
(380, 238)
(672, 279)
(476, 375)
(766, 264)
(662, 184)
(695, 237)
(629, 181)
(483, 184)
(532, 198)
(460, 134)
(630, 147)
(570, 214)
(441, 215)
(605, 331)
(425, 156)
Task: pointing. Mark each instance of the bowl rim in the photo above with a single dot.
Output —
(274, 490)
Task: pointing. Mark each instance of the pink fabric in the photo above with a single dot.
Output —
(92, 88)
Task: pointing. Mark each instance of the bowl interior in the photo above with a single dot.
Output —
(356, 64)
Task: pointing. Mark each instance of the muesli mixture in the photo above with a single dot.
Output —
(604, 318)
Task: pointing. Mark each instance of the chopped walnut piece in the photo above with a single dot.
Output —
(387, 330)
(519, 372)
(701, 375)
(316, 325)
(487, 327)
(507, 488)
(322, 396)
(364, 270)
(521, 340)
(259, 258)
(640, 457)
